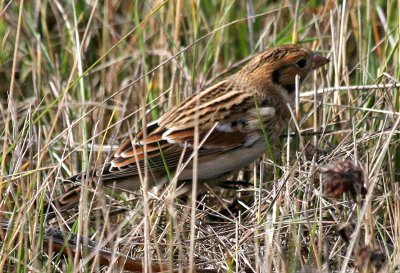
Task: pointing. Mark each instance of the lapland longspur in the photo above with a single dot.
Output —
(229, 116)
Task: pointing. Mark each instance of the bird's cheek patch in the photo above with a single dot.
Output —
(276, 75)
(263, 112)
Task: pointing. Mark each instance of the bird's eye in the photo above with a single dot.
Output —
(301, 63)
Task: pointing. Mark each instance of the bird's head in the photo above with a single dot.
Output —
(280, 65)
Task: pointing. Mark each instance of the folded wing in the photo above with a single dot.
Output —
(225, 118)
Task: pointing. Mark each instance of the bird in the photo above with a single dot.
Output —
(234, 121)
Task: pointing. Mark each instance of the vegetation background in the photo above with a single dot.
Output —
(77, 76)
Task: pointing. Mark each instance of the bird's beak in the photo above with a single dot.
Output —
(319, 61)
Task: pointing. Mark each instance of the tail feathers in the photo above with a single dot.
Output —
(84, 175)
(69, 199)
(68, 202)
(64, 202)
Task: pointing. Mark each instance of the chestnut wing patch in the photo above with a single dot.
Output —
(166, 152)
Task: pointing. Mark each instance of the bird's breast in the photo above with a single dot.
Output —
(267, 120)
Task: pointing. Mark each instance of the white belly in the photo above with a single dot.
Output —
(229, 161)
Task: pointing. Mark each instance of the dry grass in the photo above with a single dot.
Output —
(77, 77)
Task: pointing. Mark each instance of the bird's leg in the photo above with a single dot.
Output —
(234, 185)
(311, 150)
(233, 210)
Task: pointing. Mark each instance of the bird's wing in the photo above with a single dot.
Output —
(225, 118)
